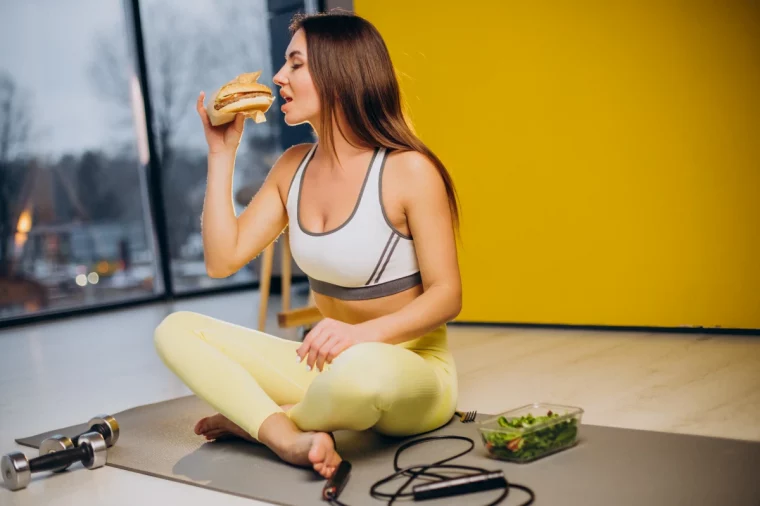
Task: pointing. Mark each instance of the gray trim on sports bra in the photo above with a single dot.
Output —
(356, 206)
(380, 194)
(365, 292)
(298, 169)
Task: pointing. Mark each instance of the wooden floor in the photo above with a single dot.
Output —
(61, 373)
(685, 383)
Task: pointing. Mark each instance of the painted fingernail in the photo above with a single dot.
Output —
(308, 368)
(298, 359)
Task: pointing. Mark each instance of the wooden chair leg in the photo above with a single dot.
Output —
(264, 284)
(300, 317)
(305, 316)
(286, 271)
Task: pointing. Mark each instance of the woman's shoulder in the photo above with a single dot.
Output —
(411, 172)
(291, 158)
(411, 162)
(284, 169)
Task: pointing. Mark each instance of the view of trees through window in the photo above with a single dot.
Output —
(75, 221)
(194, 46)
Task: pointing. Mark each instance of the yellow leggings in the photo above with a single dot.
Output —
(398, 390)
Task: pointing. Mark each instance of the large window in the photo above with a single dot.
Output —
(194, 45)
(102, 154)
(74, 221)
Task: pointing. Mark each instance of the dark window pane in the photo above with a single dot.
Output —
(73, 221)
(193, 46)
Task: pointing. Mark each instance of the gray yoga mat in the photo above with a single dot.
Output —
(609, 466)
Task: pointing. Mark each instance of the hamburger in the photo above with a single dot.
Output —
(241, 95)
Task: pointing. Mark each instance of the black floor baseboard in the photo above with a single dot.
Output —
(299, 285)
(615, 328)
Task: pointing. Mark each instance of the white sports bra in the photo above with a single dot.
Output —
(365, 257)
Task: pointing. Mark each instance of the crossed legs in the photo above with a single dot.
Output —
(248, 375)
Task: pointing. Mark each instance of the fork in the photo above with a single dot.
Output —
(466, 416)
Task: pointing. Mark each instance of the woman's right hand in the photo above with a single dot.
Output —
(222, 138)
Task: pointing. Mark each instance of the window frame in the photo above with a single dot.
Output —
(153, 191)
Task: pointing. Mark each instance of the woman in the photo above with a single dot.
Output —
(372, 216)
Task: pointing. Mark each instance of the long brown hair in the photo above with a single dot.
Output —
(352, 69)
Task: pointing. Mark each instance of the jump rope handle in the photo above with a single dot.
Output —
(337, 482)
(460, 485)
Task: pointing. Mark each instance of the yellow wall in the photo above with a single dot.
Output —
(607, 156)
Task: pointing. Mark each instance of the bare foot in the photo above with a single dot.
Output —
(322, 455)
(214, 427)
(307, 449)
(315, 449)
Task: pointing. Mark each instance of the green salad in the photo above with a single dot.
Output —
(521, 445)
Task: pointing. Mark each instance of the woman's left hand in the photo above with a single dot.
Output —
(328, 339)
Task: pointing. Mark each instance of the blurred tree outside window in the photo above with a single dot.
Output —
(73, 228)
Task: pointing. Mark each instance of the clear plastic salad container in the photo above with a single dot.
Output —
(531, 432)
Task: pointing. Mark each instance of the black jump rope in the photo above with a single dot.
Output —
(436, 486)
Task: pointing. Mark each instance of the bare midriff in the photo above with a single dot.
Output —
(359, 311)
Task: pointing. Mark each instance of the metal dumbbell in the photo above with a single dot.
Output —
(17, 469)
(105, 425)
(56, 444)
